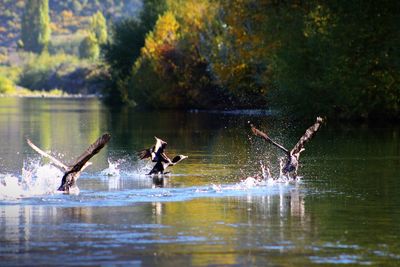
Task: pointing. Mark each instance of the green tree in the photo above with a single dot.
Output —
(339, 59)
(119, 55)
(127, 38)
(150, 12)
(89, 48)
(123, 48)
(98, 26)
(35, 26)
(239, 51)
(147, 86)
(171, 72)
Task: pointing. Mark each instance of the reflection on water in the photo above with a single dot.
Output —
(218, 228)
(343, 211)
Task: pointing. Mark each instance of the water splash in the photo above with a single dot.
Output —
(254, 183)
(113, 168)
(10, 188)
(43, 180)
(263, 179)
(141, 168)
(127, 166)
(35, 180)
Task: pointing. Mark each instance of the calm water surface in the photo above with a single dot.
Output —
(344, 211)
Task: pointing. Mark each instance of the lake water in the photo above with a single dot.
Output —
(345, 210)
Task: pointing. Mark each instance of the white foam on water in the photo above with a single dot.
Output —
(35, 180)
(10, 187)
(113, 169)
(265, 179)
(251, 183)
(140, 168)
(42, 180)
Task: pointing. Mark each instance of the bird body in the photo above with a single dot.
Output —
(73, 171)
(291, 164)
(162, 165)
(156, 154)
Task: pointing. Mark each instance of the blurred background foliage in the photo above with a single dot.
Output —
(338, 59)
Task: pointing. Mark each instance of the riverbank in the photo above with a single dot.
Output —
(21, 92)
(26, 74)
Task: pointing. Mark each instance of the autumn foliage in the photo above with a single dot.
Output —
(338, 59)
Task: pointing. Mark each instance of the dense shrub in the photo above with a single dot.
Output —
(41, 71)
(6, 85)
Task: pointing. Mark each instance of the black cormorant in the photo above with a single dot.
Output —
(292, 157)
(72, 172)
(156, 154)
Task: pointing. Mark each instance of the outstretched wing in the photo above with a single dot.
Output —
(310, 132)
(46, 155)
(154, 152)
(92, 150)
(267, 138)
(144, 154)
(164, 158)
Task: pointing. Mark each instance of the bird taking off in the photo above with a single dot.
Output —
(291, 164)
(73, 171)
(156, 154)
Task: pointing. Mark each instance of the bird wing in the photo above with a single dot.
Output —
(164, 158)
(267, 138)
(92, 150)
(144, 154)
(46, 155)
(154, 151)
(310, 132)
